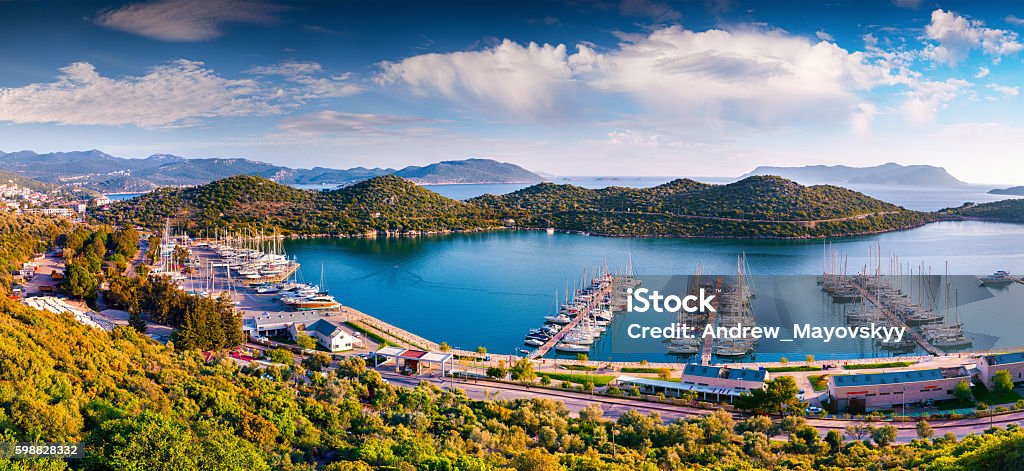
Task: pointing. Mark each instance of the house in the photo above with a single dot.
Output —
(875, 391)
(272, 324)
(988, 365)
(328, 334)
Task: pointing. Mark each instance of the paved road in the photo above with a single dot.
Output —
(615, 407)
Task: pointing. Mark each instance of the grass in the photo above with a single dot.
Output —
(993, 398)
(790, 369)
(579, 367)
(818, 382)
(868, 366)
(598, 380)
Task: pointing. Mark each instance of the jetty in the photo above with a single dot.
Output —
(897, 322)
(708, 343)
(544, 349)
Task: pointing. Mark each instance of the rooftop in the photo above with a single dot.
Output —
(676, 386)
(739, 374)
(897, 377)
(1005, 358)
(325, 327)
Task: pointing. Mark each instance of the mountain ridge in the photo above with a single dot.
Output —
(99, 171)
(886, 174)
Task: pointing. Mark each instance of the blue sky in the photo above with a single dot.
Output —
(630, 87)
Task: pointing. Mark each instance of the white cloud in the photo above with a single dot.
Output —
(525, 81)
(825, 36)
(926, 98)
(982, 72)
(310, 80)
(957, 36)
(176, 94)
(747, 76)
(862, 117)
(1005, 90)
(336, 122)
(186, 20)
(1014, 20)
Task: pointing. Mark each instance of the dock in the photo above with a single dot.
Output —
(708, 343)
(897, 322)
(292, 268)
(596, 301)
(544, 349)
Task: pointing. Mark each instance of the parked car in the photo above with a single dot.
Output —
(813, 410)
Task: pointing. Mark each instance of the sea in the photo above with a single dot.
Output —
(489, 289)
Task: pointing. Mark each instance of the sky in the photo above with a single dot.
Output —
(579, 87)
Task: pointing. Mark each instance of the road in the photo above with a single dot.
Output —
(615, 407)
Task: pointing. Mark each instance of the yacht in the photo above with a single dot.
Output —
(998, 278)
(572, 348)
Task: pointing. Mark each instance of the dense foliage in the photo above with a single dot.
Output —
(202, 323)
(140, 405)
(756, 207)
(382, 204)
(1011, 210)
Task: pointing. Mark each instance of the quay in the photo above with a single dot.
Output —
(897, 322)
(708, 343)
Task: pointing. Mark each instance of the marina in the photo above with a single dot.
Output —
(404, 280)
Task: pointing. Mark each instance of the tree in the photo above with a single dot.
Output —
(664, 374)
(581, 357)
(498, 372)
(80, 282)
(444, 347)
(884, 436)
(858, 431)
(522, 370)
(136, 322)
(481, 350)
(834, 438)
(809, 358)
(924, 429)
(962, 391)
(305, 341)
(280, 355)
(317, 361)
(1002, 381)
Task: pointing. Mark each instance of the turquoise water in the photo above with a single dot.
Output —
(489, 289)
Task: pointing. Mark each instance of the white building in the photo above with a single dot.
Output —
(328, 334)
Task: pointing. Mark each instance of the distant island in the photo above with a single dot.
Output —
(756, 207)
(98, 171)
(1014, 191)
(887, 174)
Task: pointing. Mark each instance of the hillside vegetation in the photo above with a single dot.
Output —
(756, 207)
(1011, 210)
(380, 204)
(753, 207)
(139, 405)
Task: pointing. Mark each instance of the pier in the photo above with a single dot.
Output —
(708, 343)
(897, 322)
(544, 349)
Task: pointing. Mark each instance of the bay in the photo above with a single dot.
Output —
(489, 289)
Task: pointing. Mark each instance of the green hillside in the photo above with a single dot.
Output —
(1011, 210)
(753, 207)
(381, 204)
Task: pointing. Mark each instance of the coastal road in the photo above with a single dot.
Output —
(615, 407)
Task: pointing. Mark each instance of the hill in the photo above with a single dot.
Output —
(1014, 190)
(386, 204)
(887, 174)
(469, 171)
(1011, 210)
(757, 207)
(99, 171)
